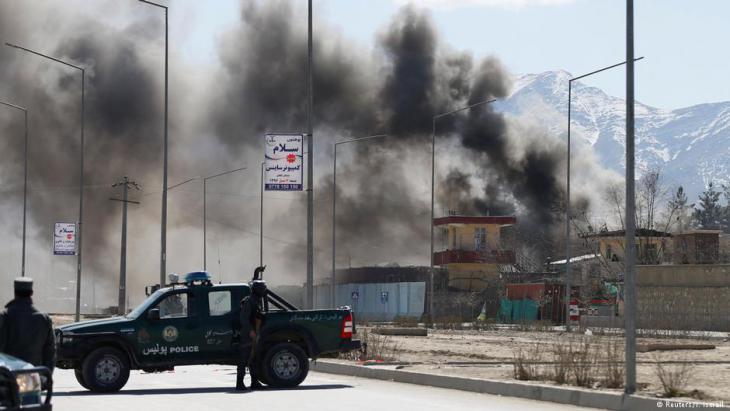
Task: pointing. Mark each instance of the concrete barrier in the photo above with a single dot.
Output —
(563, 395)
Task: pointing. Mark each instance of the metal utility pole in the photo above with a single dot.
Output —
(25, 179)
(163, 225)
(568, 294)
(310, 168)
(261, 218)
(126, 185)
(433, 185)
(334, 206)
(205, 211)
(630, 276)
(81, 173)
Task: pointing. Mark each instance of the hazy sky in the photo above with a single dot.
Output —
(685, 42)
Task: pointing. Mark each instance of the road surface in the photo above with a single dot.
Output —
(203, 388)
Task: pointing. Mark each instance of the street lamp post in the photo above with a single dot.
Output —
(334, 204)
(25, 179)
(568, 293)
(433, 176)
(261, 218)
(163, 225)
(81, 173)
(630, 239)
(205, 238)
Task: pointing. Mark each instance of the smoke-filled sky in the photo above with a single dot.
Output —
(218, 116)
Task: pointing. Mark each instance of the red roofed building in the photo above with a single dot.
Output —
(474, 248)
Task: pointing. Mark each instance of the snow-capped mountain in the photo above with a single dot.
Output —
(690, 145)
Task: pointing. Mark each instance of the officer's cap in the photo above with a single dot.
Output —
(23, 284)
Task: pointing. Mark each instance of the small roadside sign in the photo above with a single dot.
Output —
(355, 295)
(383, 297)
(64, 239)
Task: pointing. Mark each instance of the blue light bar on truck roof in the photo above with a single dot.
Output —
(201, 276)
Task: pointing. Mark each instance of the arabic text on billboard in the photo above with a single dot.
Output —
(64, 239)
(284, 159)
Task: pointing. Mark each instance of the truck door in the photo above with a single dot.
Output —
(174, 337)
(221, 320)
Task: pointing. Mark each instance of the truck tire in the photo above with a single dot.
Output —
(105, 369)
(285, 365)
(80, 378)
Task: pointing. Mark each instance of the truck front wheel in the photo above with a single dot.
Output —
(285, 365)
(105, 369)
(80, 378)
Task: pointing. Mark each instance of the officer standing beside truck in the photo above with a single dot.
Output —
(25, 332)
(251, 318)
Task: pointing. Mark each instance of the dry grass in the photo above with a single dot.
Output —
(526, 365)
(561, 363)
(674, 378)
(613, 375)
(584, 361)
(374, 347)
(583, 355)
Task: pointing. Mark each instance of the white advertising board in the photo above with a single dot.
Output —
(64, 239)
(284, 169)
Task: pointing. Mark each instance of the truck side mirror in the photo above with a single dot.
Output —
(153, 314)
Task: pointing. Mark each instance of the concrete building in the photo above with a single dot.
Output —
(653, 247)
(696, 247)
(475, 249)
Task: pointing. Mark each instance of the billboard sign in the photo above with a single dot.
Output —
(284, 169)
(64, 239)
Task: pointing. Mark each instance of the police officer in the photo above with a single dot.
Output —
(251, 318)
(25, 332)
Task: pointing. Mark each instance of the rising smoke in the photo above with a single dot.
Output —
(485, 164)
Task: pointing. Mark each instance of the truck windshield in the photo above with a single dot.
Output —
(145, 304)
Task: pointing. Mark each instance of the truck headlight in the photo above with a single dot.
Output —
(28, 382)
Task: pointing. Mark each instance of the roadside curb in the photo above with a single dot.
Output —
(562, 395)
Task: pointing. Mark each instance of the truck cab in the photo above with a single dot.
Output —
(196, 322)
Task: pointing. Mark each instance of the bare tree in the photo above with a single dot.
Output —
(615, 196)
(651, 193)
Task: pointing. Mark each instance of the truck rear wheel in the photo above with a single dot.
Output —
(285, 365)
(80, 378)
(105, 369)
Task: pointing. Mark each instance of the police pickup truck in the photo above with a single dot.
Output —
(197, 322)
(22, 386)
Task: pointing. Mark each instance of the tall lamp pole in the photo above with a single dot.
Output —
(205, 207)
(433, 176)
(25, 179)
(334, 205)
(310, 167)
(568, 294)
(630, 277)
(261, 218)
(81, 172)
(163, 233)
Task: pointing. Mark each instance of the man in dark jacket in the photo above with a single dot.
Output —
(251, 318)
(25, 332)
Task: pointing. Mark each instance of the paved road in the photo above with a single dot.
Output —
(202, 388)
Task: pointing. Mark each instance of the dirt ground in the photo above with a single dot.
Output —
(490, 355)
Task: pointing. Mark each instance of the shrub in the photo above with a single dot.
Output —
(674, 378)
